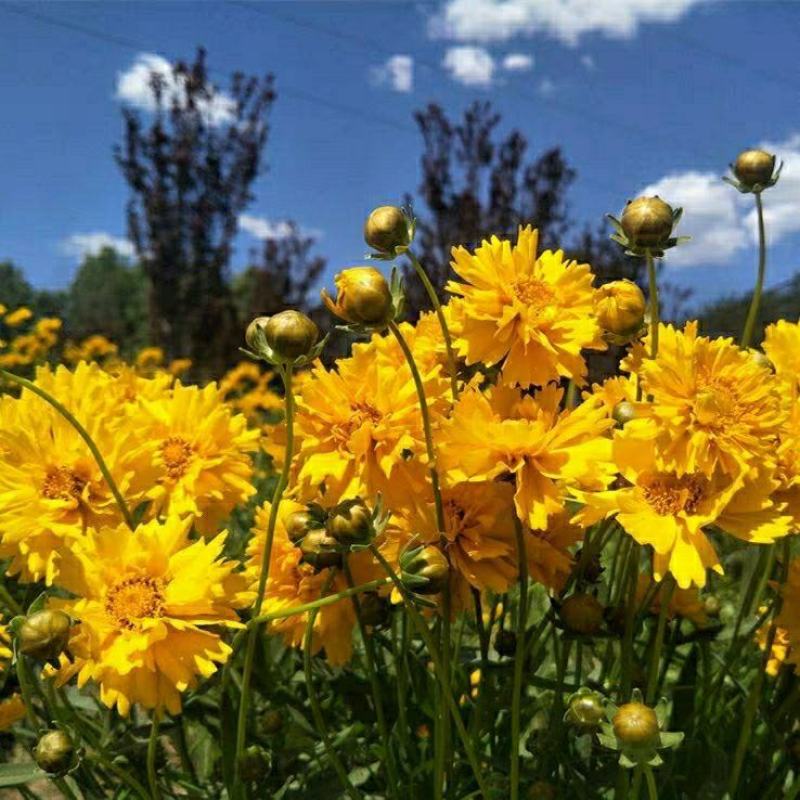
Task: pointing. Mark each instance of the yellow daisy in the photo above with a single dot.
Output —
(534, 312)
(547, 450)
(12, 710)
(782, 346)
(148, 608)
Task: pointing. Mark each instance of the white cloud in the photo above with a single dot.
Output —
(711, 216)
(80, 245)
(588, 62)
(472, 66)
(267, 229)
(397, 72)
(517, 62)
(721, 221)
(134, 88)
(567, 20)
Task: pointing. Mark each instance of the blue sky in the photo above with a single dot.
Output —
(657, 94)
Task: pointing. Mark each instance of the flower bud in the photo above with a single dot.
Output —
(761, 359)
(585, 710)
(636, 725)
(542, 790)
(386, 229)
(712, 606)
(251, 334)
(592, 568)
(255, 764)
(44, 634)
(582, 614)
(754, 168)
(647, 222)
(425, 569)
(620, 308)
(350, 523)
(623, 412)
(374, 610)
(505, 643)
(297, 525)
(291, 334)
(362, 297)
(272, 722)
(320, 550)
(54, 752)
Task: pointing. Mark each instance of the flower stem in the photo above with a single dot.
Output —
(755, 303)
(652, 675)
(652, 790)
(519, 657)
(369, 653)
(437, 307)
(313, 699)
(654, 312)
(84, 434)
(152, 747)
(252, 638)
(422, 629)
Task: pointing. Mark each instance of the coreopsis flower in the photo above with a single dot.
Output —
(548, 451)
(780, 650)
(93, 348)
(548, 549)
(786, 648)
(292, 582)
(17, 317)
(12, 710)
(148, 359)
(670, 510)
(788, 459)
(51, 488)
(149, 605)
(360, 429)
(535, 313)
(246, 388)
(711, 403)
(200, 452)
(782, 347)
(363, 297)
(5, 645)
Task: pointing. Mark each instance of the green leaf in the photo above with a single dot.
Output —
(203, 749)
(19, 774)
(38, 604)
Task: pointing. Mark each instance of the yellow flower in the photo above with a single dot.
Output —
(549, 559)
(247, 389)
(670, 511)
(612, 391)
(148, 606)
(292, 583)
(537, 313)
(178, 366)
(51, 488)
(5, 646)
(200, 452)
(788, 458)
(360, 429)
(17, 317)
(712, 404)
(782, 346)
(12, 709)
(685, 603)
(547, 450)
(779, 653)
(93, 348)
(148, 359)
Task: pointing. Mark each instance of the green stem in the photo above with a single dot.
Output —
(437, 307)
(84, 434)
(519, 660)
(652, 675)
(152, 747)
(755, 303)
(422, 629)
(313, 699)
(252, 638)
(630, 609)
(27, 694)
(652, 790)
(369, 653)
(13, 606)
(654, 311)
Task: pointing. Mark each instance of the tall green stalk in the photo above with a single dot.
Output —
(755, 303)
(519, 659)
(655, 657)
(654, 308)
(249, 658)
(152, 749)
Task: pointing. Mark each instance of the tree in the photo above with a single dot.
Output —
(108, 295)
(16, 291)
(282, 277)
(190, 172)
(475, 184)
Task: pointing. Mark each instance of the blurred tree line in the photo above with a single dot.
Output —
(190, 167)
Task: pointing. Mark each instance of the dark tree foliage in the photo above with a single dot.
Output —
(475, 183)
(190, 170)
(280, 276)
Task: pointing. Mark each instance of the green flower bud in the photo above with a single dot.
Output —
(754, 168)
(636, 726)
(585, 710)
(386, 229)
(251, 334)
(374, 610)
(582, 614)
(350, 522)
(255, 764)
(425, 569)
(54, 752)
(297, 525)
(623, 412)
(272, 722)
(44, 634)
(647, 222)
(620, 307)
(363, 297)
(291, 334)
(320, 550)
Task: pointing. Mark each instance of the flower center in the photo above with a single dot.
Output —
(535, 294)
(456, 519)
(669, 495)
(134, 599)
(360, 414)
(63, 483)
(718, 402)
(177, 453)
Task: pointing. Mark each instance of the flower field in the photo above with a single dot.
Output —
(448, 564)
